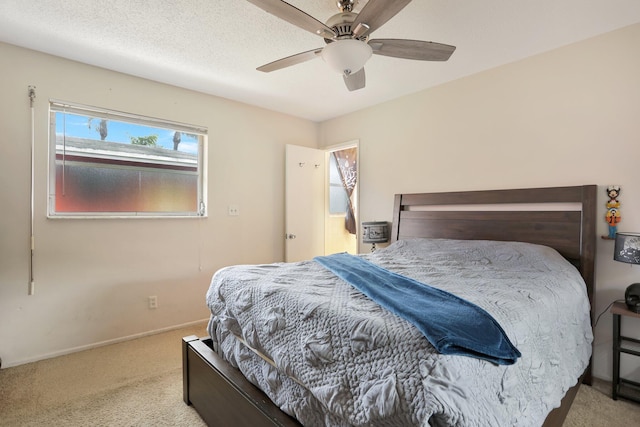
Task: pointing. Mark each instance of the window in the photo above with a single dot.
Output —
(114, 164)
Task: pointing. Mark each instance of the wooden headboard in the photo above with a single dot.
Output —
(563, 218)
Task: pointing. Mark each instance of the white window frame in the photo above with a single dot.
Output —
(57, 106)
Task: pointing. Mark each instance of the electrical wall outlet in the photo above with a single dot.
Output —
(153, 301)
(234, 210)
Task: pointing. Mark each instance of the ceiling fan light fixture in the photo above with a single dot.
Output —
(346, 56)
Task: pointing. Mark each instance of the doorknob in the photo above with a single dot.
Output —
(290, 236)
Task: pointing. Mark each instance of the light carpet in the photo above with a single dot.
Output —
(139, 383)
(133, 383)
(594, 407)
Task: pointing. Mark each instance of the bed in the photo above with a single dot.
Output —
(562, 218)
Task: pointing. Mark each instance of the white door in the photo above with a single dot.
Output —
(304, 203)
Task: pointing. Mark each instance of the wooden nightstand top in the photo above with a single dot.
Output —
(621, 309)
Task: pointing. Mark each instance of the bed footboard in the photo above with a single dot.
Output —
(557, 416)
(220, 394)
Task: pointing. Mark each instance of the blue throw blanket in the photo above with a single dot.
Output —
(451, 324)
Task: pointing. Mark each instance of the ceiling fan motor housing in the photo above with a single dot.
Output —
(340, 23)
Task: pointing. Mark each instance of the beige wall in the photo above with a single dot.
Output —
(93, 277)
(566, 117)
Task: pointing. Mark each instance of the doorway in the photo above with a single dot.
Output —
(341, 207)
(321, 201)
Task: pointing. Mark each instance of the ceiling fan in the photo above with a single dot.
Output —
(347, 36)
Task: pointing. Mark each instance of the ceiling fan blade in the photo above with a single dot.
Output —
(354, 81)
(295, 16)
(412, 49)
(290, 60)
(375, 13)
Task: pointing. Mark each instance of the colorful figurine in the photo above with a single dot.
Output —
(613, 210)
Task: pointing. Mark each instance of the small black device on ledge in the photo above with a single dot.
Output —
(632, 297)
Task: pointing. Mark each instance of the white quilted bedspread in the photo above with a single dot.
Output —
(339, 359)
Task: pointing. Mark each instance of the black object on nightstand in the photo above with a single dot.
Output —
(618, 310)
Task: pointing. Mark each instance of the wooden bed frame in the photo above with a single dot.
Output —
(223, 397)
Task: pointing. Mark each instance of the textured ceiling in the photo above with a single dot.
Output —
(215, 46)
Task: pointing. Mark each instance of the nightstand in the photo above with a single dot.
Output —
(618, 310)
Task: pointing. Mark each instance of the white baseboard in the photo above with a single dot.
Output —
(100, 344)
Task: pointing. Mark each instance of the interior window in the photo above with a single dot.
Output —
(108, 163)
